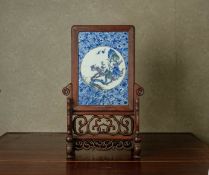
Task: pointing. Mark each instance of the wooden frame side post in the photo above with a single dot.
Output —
(138, 91)
(69, 138)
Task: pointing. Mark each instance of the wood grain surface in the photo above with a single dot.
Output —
(44, 153)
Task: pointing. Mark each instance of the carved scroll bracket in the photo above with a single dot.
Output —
(67, 90)
(139, 90)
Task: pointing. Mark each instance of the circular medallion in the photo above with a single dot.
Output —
(103, 68)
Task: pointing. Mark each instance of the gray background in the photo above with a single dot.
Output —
(172, 60)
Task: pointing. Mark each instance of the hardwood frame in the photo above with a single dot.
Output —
(103, 111)
(74, 66)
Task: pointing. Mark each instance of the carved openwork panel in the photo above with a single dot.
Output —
(104, 145)
(103, 124)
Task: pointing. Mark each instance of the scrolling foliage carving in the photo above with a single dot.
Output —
(104, 145)
(102, 124)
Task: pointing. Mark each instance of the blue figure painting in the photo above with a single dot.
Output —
(103, 68)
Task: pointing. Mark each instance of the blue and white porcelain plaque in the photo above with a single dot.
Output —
(103, 68)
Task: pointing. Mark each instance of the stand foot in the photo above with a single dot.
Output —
(70, 148)
(137, 146)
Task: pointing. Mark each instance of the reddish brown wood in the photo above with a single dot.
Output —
(67, 91)
(134, 91)
(102, 113)
(43, 153)
(105, 137)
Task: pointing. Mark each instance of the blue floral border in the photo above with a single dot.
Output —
(88, 95)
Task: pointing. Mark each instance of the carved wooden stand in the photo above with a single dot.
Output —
(98, 126)
(123, 136)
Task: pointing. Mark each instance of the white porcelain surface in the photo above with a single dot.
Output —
(101, 71)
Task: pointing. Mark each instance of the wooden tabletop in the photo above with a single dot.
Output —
(44, 153)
